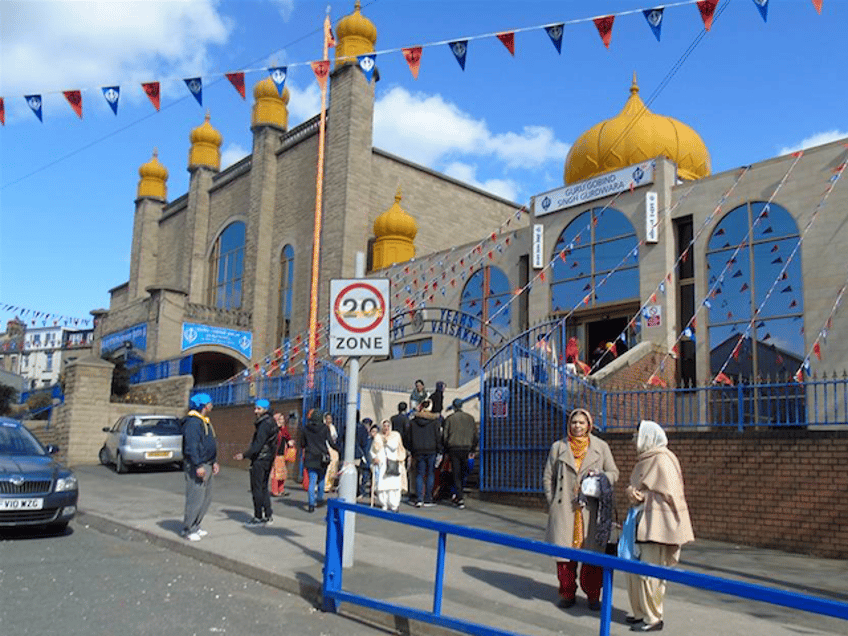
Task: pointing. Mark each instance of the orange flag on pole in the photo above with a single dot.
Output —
(604, 26)
(508, 40)
(412, 55)
(75, 100)
(237, 80)
(328, 32)
(707, 9)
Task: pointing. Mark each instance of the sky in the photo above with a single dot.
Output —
(752, 90)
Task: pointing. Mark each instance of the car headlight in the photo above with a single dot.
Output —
(66, 483)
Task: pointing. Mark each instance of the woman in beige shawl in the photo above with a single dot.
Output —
(387, 451)
(657, 484)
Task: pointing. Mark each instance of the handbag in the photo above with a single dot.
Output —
(591, 487)
(290, 454)
(627, 548)
(392, 468)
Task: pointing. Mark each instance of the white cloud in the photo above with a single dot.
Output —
(467, 173)
(91, 44)
(285, 7)
(231, 154)
(428, 129)
(816, 139)
(304, 102)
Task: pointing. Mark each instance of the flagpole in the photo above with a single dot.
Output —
(316, 236)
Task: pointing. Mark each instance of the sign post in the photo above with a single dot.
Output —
(359, 326)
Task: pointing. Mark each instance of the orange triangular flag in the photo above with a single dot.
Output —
(151, 89)
(707, 9)
(817, 349)
(655, 380)
(321, 70)
(721, 378)
(413, 58)
(508, 40)
(604, 26)
(237, 80)
(817, 4)
(75, 100)
(328, 32)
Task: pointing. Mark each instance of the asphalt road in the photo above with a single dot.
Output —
(86, 583)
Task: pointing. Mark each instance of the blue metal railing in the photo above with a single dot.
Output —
(334, 594)
(162, 370)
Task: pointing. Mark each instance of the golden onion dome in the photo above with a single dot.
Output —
(355, 35)
(395, 232)
(205, 146)
(269, 106)
(153, 178)
(636, 134)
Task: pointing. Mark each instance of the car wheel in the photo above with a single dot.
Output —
(120, 466)
(104, 456)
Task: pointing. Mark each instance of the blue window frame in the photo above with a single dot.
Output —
(286, 291)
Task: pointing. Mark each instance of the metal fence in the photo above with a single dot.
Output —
(162, 370)
(333, 592)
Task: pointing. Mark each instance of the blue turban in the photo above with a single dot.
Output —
(263, 404)
(200, 400)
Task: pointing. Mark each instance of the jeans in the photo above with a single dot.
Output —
(426, 464)
(314, 484)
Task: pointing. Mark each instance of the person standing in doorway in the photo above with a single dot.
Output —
(263, 448)
(200, 454)
(459, 438)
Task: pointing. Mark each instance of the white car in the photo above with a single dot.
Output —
(143, 440)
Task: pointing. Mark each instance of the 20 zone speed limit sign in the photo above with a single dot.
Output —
(359, 317)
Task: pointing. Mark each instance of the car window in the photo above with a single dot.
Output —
(117, 425)
(163, 426)
(15, 440)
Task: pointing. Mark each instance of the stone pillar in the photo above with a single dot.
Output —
(197, 232)
(80, 420)
(145, 245)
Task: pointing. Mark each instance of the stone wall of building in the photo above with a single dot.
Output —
(173, 392)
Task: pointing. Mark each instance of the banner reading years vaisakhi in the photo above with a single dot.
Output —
(594, 188)
(195, 335)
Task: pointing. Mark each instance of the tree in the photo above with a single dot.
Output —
(7, 396)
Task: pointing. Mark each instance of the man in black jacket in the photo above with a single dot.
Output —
(424, 440)
(261, 455)
(399, 420)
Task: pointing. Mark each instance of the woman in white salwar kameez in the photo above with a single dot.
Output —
(389, 457)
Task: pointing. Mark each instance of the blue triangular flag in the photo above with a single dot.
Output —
(367, 64)
(195, 85)
(459, 50)
(555, 33)
(34, 102)
(762, 5)
(278, 74)
(737, 274)
(777, 260)
(654, 18)
(788, 288)
(112, 95)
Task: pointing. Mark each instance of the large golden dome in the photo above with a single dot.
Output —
(636, 134)
(205, 146)
(395, 232)
(269, 107)
(153, 179)
(355, 35)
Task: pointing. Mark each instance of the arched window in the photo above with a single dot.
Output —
(286, 290)
(484, 296)
(758, 289)
(227, 267)
(598, 243)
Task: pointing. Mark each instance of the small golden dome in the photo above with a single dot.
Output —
(153, 177)
(636, 134)
(355, 35)
(269, 107)
(205, 146)
(395, 232)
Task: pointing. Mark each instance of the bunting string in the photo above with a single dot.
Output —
(35, 315)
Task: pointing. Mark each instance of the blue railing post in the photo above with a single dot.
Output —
(440, 574)
(740, 407)
(604, 411)
(606, 607)
(333, 558)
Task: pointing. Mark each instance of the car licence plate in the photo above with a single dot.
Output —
(21, 504)
(158, 454)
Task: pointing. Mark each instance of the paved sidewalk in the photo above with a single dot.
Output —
(509, 589)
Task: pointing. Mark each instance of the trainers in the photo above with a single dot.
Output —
(253, 523)
(268, 521)
(429, 504)
(201, 532)
(193, 536)
(461, 504)
(418, 504)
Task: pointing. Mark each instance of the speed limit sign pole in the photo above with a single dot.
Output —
(359, 326)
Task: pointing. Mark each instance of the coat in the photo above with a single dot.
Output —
(666, 516)
(561, 481)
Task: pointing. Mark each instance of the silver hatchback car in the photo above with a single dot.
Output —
(142, 439)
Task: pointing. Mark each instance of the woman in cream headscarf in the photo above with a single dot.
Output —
(570, 460)
(657, 484)
(387, 452)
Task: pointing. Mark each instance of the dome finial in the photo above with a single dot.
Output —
(634, 87)
(398, 195)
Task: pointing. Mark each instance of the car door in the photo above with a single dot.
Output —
(113, 438)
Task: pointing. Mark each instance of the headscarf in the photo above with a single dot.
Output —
(650, 436)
